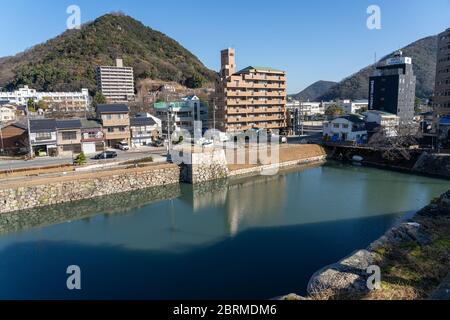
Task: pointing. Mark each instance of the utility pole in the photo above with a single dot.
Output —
(214, 113)
(1, 138)
(29, 131)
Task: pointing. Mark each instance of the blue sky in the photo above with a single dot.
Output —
(311, 40)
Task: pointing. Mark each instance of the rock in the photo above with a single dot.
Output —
(348, 275)
(291, 297)
(406, 232)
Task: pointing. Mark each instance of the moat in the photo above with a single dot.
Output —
(249, 238)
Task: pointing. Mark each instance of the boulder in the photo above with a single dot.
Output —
(347, 276)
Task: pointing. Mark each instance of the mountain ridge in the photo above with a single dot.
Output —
(424, 54)
(67, 62)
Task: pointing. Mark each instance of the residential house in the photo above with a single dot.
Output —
(376, 120)
(183, 114)
(43, 136)
(115, 119)
(68, 136)
(7, 113)
(92, 137)
(143, 131)
(13, 138)
(347, 128)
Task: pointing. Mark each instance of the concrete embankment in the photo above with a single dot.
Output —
(413, 257)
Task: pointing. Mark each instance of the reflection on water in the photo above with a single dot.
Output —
(246, 238)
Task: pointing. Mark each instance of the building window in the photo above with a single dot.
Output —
(69, 135)
(43, 136)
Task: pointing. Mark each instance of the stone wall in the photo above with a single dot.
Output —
(433, 164)
(205, 166)
(67, 189)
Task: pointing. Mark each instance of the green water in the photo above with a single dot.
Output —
(252, 238)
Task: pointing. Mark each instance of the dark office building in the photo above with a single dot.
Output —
(393, 88)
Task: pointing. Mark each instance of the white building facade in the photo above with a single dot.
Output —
(355, 106)
(116, 83)
(68, 101)
(7, 113)
(350, 128)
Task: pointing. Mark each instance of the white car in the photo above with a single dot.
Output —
(123, 146)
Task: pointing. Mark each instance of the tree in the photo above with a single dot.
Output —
(42, 105)
(334, 110)
(99, 98)
(398, 147)
(196, 81)
(31, 105)
(80, 159)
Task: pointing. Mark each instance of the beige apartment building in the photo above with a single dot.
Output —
(115, 119)
(116, 83)
(254, 97)
(441, 97)
(442, 88)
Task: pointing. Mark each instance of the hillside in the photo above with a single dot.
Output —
(68, 61)
(314, 91)
(423, 52)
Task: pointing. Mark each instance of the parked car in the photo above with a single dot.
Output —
(106, 155)
(123, 146)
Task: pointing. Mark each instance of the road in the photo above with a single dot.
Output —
(158, 154)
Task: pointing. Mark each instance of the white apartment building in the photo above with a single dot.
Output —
(307, 108)
(116, 83)
(62, 101)
(354, 106)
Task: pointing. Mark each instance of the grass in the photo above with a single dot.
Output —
(410, 271)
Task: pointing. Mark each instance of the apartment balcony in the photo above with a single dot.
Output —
(117, 135)
(264, 77)
(116, 122)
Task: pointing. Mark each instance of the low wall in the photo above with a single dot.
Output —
(205, 166)
(274, 168)
(45, 192)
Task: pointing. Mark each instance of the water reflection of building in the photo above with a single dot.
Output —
(254, 199)
(244, 199)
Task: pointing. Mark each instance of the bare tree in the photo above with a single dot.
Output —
(399, 146)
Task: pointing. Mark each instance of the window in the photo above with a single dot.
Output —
(43, 136)
(345, 126)
(110, 130)
(336, 125)
(69, 135)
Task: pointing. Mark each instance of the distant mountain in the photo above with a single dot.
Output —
(423, 52)
(314, 91)
(68, 61)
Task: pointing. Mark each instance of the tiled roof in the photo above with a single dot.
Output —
(42, 125)
(263, 69)
(112, 108)
(68, 124)
(87, 124)
(142, 121)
